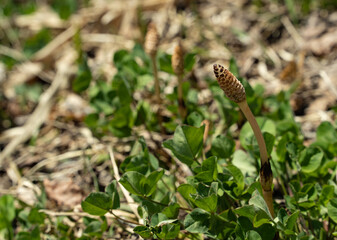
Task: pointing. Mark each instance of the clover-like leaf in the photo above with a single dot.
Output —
(134, 182)
(111, 189)
(310, 159)
(198, 221)
(143, 231)
(186, 143)
(258, 201)
(246, 133)
(97, 203)
(138, 184)
(222, 146)
(332, 210)
(209, 170)
(208, 203)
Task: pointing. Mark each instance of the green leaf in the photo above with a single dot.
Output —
(35, 216)
(186, 190)
(233, 67)
(122, 84)
(7, 208)
(222, 146)
(327, 194)
(194, 119)
(97, 204)
(245, 163)
(189, 61)
(207, 203)
(35, 233)
(186, 143)
(119, 57)
(157, 218)
(260, 218)
(246, 133)
(252, 235)
(134, 163)
(258, 201)
(269, 140)
(326, 134)
(246, 211)
(7, 215)
(143, 231)
(198, 221)
(94, 229)
(291, 220)
(282, 216)
(238, 177)
(209, 171)
(171, 211)
(332, 209)
(37, 42)
(65, 8)
(111, 189)
(152, 180)
(136, 183)
(165, 63)
(266, 231)
(310, 159)
(165, 228)
(83, 77)
(169, 231)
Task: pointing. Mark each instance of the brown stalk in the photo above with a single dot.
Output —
(151, 46)
(235, 91)
(178, 68)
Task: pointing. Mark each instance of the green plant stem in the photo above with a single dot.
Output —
(266, 175)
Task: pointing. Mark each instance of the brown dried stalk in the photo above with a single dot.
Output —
(151, 47)
(178, 68)
(235, 91)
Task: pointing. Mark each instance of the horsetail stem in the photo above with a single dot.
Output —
(151, 46)
(235, 91)
(178, 68)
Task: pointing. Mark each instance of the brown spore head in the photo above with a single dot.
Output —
(178, 59)
(151, 40)
(232, 87)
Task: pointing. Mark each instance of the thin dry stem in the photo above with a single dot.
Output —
(125, 192)
(178, 68)
(181, 103)
(156, 80)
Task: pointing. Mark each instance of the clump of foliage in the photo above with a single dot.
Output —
(222, 198)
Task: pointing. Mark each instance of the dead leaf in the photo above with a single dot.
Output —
(324, 44)
(65, 193)
(289, 73)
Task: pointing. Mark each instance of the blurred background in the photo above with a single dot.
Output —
(57, 57)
